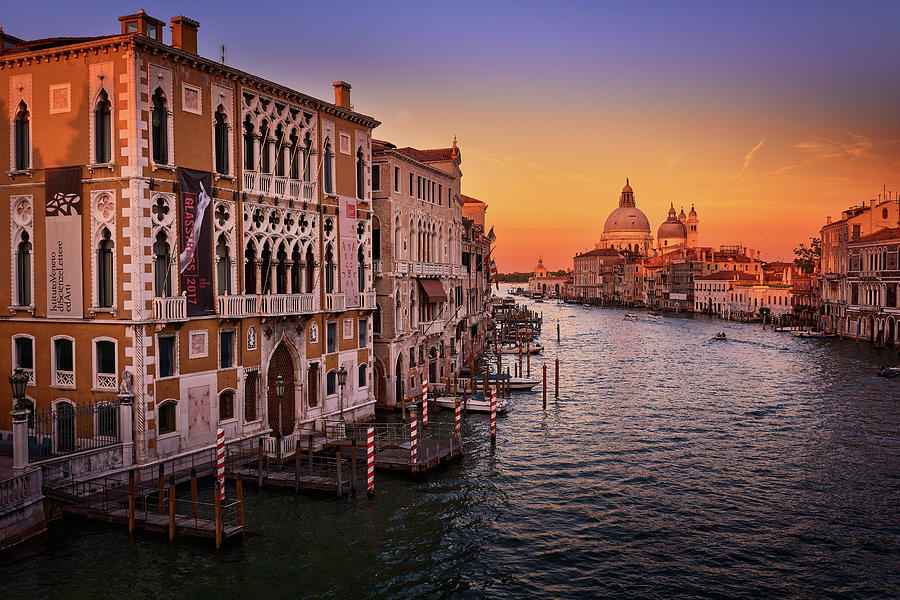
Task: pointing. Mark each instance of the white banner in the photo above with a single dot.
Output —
(349, 249)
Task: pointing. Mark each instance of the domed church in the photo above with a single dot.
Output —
(627, 228)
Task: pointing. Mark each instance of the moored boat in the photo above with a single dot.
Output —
(533, 348)
(471, 403)
(515, 383)
(889, 372)
(630, 317)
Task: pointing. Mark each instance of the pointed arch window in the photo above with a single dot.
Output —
(22, 138)
(102, 129)
(307, 159)
(23, 271)
(294, 159)
(249, 145)
(265, 163)
(162, 281)
(159, 128)
(105, 270)
(361, 269)
(329, 271)
(328, 168)
(250, 270)
(310, 271)
(223, 267)
(221, 141)
(360, 174)
(279, 152)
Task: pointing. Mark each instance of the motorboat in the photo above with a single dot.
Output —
(654, 317)
(630, 317)
(533, 348)
(471, 403)
(720, 336)
(889, 372)
(812, 334)
(516, 384)
(654, 313)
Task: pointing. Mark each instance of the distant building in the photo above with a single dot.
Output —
(873, 279)
(714, 293)
(542, 284)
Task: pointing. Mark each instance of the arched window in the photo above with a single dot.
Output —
(249, 152)
(251, 385)
(307, 158)
(363, 372)
(296, 259)
(331, 383)
(102, 129)
(223, 267)
(360, 174)
(250, 270)
(162, 282)
(328, 167)
(64, 426)
(376, 320)
(361, 269)
(23, 138)
(221, 141)
(281, 271)
(310, 271)
(226, 405)
(266, 269)
(329, 270)
(279, 152)
(265, 163)
(165, 417)
(159, 128)
(23, 271)
(294, 159)
(105, 270)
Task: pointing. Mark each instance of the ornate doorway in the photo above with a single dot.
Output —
(281, 364)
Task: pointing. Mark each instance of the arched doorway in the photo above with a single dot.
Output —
(282, 364)
(889, 338)
(432, 365)
(398, 381)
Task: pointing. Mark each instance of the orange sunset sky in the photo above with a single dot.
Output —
(767, 116)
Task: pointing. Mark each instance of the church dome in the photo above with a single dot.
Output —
(625, 219)
(672, 228)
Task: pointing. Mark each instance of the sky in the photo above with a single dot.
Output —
(766, 116)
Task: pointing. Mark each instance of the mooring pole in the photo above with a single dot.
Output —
(556, 394)
(217, 503)
(172, 509)
(162, 488)
(353, 468)
(240, 497)
(194, 493)
(340, 484)
(370, 462)
(259, 466)
(309, 453)
(131, 501)
(545, 386)
(557, 331)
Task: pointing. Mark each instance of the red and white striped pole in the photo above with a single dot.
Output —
(413, 441)
(370, 461)
(220, 462)
(493, 414)
(425, 403)
(458, 422)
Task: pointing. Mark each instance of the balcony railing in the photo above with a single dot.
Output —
(273, 305)
(401, 267)
(266, 183)
(64, 378)
(335, 302)
(378, 267)
(367, 300)
(106, 381)
(432, 269)
(172, 308)
(432, 327)
(236, 307)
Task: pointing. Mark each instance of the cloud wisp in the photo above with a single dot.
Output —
(748, 158)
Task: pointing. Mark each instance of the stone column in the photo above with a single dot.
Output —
(259, 283)
(289, 276)
(20, 439)
(126, 433)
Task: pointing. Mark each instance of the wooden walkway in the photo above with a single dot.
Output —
(184, 525)
(290, 479)
(431, 454)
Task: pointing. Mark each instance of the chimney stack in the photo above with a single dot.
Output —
(184, 33)
(828, 220)
(342, 94)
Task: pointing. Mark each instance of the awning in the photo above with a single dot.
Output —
(433, 289)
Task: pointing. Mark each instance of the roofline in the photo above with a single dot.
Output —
(393, 152)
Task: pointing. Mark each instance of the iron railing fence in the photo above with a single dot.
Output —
(68, 427)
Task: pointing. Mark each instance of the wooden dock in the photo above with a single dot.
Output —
(291, 479)
(185, 526)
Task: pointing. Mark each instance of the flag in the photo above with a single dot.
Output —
(491, 236)
(494, 273)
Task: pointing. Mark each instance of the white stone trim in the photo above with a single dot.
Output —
(185, 89)
(54, 109)
(113, 383)
(198, 343)
(53, 372)
(19, 90)
(103, 217)
(21, 220)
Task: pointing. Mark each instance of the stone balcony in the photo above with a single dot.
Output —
(237, 306)
(274, 305)
(283, 187)
(367, 300)
(170, 309)
(335, 302)
(401, 267)
(435, 327)
(378, 268)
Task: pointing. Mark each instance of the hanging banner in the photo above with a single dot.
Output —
(63, 208)
(349, 265)
(195, 264)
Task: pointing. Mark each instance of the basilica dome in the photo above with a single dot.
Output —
(626, 218)
(672, 232)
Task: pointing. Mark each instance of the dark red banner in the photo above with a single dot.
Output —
(195, 262)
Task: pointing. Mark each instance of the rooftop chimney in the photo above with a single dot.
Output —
(342, 94)
(828, 220)
(141, 22)
(184, 33)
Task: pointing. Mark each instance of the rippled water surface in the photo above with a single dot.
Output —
(671, 466)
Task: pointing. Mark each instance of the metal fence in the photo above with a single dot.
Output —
(69, 427)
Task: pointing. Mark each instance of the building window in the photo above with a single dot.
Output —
(360, 269)
(159, 128)
(24, 349)
(23, 271)
(105, 378)
(226, 349)
(331, 337)
(360, 174)
(265, 156)
(376, 320)
(328, 167)
(294, 166)
(376, 241)
(312, 385)
(363, 332)
(251, 385)
(249, 145)
(221, 141)
(63, 362)
(226, 405)
(223, 267)
(102, 129)
(397, 179)
(162, 282)
(280, 165)
(329, 270)
(22, 138)
(331, 383)
(412, 357)
(307, 158)
(410, 185)
(105, 271)
(165, 417)
(376, 178)
(166, 355)
(362, 376)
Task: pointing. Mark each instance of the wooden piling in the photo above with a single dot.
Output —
(194, 493)
(240, 497)
(545, 386)
(309, 453)
(297, 470)
(557, 331)
(172, 509)
(340, 484)
(402, 407)
(259, 469)
(528, 353)
(556, 390)
(353, 468)
(217, 503)
(162, 489)
(131, 501)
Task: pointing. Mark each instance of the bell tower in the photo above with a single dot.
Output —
(693, 235)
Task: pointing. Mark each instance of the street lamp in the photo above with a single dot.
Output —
(342, 380)
(17, 381)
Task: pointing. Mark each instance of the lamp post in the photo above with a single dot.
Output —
(279, 395)
(342, 380)
(17, 381)
(19, 414)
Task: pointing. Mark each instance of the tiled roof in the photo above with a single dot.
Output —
(599, 252)
(435, 155)
(470, 199)
(882, 234)
(727, 276)
(29, 45)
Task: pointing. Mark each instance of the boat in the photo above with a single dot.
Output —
(534, 348)
(889, 372)
(653, 317)
(654, 313)
(720, 336)
(471, 403)
(812, 334)
(630, 317)
(516, 384)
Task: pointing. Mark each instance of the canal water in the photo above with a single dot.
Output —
(672, 466)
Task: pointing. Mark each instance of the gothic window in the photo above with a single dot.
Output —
(361, 269)
(102, 129)
(162, 282)
(329, 270)
(105, 271)
(22, 138)
(310, 271)
(265, 270)
(23, 271)
(250, 270)
(281, 271)
(328, 168)
(223, 267)
(295, 160)
(159, 128)
(221, 141)
(249, 153)
(360, 175)
(265, 163)
(279, 152)
(296, 259)
(307, 159)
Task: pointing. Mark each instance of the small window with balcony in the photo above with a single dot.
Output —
(24, 355)
(105, 365)
(63, 362)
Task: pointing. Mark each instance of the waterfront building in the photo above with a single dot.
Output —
(421, 269)
(873, 279)
(805, 299)
(186, 230)
(593, 274)
(856, 222)
(543, 284)
(714, 293)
